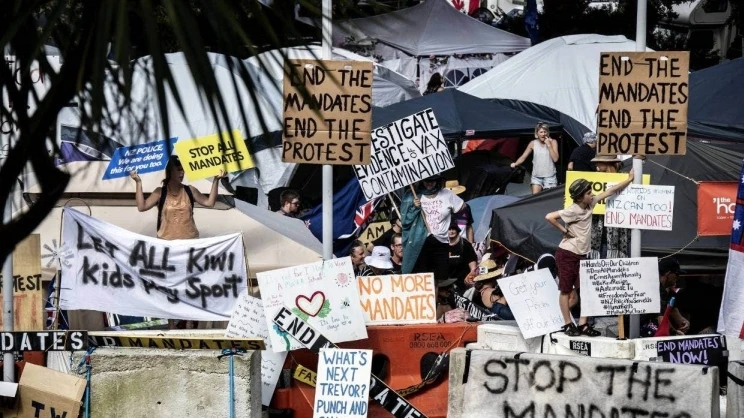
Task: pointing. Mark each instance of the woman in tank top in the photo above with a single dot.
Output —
(545, 155)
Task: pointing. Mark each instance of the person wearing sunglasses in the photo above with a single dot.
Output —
(545, 155)
(290, 203)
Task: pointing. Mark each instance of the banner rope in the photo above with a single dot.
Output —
(681, 249)
(515, 253)
(681, 175)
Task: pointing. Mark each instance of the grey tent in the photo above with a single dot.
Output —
(715, 111)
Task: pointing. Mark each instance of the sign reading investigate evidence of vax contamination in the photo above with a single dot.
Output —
(404, 152)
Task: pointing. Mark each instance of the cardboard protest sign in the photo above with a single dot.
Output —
(325, 294)
(43, 341)
(620, 286)
(247, 321)
(327, 112)
(404, 152)
(374, 230)
(533, 299)
(600, 183)
(45, 392)
(205, 156)
(28, 297)
(342, 388)
(716, 203)
(398, 299)
(641, 207)
(145, 158)
(643, 103)
(118, 271)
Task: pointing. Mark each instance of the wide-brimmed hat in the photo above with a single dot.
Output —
(488, 270)
(380, 258)
(590, 137)
(606, 159)
(454, 186)
(446, 283)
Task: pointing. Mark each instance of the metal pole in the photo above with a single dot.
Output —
(8, 358)
(635, 234)
(327, 169)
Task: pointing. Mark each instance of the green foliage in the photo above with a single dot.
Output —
(325, 310)
(300, 313)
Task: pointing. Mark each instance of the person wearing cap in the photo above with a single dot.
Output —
(581, 157)
(396, 227)
(462, 257)
(608, 242)
(426, 219)
(669, 271)
(378, 262)
(464, 217)
(489, 295)
(545, 155)
(576, 244)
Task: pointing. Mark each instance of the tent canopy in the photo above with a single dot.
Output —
(521, 227)
(458, 114)
(434, 27)
(714, 92)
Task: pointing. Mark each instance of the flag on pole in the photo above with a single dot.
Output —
(731, 316)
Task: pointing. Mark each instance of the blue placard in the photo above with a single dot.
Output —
(145, 158)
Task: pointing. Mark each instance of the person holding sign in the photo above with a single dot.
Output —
(175, 201)
(489, 294)
(608, 242)
(576, 244)
(545, 155)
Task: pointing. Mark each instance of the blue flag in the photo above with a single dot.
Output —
(351, 214)
(530, 21)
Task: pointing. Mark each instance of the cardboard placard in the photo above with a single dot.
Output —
(249, 321)
(716, 203)
(641, 207)
(43, 341)
(145, 158)
(600, 183)
(533, 299)
(342, 389)
(102, 339)
(643, 99)
(404, 152)
(374, 230)
(332, 124)
(28, 298)
(398, 299)
(205, 156)
(620, 286)
(44, 392)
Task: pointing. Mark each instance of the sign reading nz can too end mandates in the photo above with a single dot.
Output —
(643, 103)
(327, 112)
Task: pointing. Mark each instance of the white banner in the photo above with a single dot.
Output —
(398, 299)
(404, 152)
(118, 271)
(533, 300)
(641, 207)
(620, 286)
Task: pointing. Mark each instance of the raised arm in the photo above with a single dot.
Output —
(208, 201)
(553, 149)
(616, 188)
(524, 156)
(142, 203)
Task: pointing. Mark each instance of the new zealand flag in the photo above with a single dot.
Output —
(731, 316)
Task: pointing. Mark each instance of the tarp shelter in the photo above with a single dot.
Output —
(521, 227)
(561, 73)
(716, 94)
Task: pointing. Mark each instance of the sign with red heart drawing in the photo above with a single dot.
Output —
(323, 293)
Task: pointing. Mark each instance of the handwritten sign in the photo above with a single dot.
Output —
(619, 286)
(404, 152)
(533, 299)
(118, 271)
(600, 183)
(342, 389)
(641, 207)
(205, 156)
(710, 349)
(28, 297)
(374, 230)
(305, 375)
(325, 294)
(43, 341)
(327, 112)
(145, 158)
(643, 103)
(398, 299)
(248, 321)
(475, 311)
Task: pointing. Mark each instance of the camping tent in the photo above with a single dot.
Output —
(562, 73)
(714, 111)
(521, 227)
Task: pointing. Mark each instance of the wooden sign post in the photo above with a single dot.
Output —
(28, 299)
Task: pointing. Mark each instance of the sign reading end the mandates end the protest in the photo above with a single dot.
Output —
(205, 156)
(643, 100)
(404, 152)
(327, 112)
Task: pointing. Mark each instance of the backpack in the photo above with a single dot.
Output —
(164, 194)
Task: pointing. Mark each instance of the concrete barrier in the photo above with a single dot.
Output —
(506, 337)
(495, 384)
(735, 390)
(599, 347)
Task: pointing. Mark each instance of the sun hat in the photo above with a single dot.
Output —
(606, 159)
(488, 270)
(380, 258)
(590, 137)
(454, 186)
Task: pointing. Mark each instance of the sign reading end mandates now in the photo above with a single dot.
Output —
(643, 103)
(327, 112)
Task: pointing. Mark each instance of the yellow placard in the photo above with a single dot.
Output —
(599, 184)
(305, 375)
(205, 156)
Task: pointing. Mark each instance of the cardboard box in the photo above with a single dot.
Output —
(46, 393)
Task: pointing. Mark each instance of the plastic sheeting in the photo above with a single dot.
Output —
(715, 110)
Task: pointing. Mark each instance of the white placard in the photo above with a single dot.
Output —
(342, 389)
(404, 152)
(620, 286)
(117, 271)
(398, 299)
(533, 299)
(325, 294)
(641, 207)
(248, 321)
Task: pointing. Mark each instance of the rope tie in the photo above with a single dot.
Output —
(230, 353)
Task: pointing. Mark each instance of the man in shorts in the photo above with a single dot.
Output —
(576, 243)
